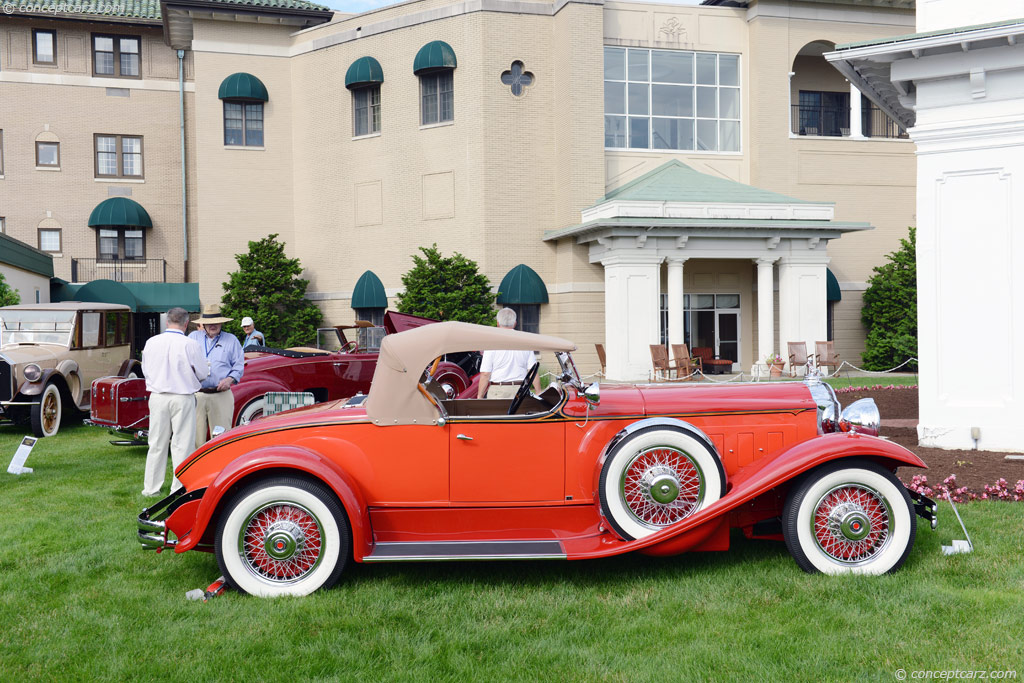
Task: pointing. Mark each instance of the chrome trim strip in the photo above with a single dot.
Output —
(444, 551)
(451, 558)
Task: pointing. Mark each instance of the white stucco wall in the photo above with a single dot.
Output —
(27, 283)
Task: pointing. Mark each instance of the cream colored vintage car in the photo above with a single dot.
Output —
(51, 353)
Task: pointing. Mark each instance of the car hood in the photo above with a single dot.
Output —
(44, 354)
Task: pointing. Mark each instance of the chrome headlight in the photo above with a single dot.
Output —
(32, 372)
(828, 405)
(861, 417)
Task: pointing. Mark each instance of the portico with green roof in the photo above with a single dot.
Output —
(674, 215)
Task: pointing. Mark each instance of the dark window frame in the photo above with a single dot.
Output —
(533, 319)
(47, 142)
(120, 334)
(60, 239)
(121, 239)
(245, 104)
(35, 46)
(116, 37)
(436, 76)
(119, 156)
(370, 110)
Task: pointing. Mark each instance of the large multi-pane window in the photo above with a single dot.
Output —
(118, 156)
(671, 100)
(116, 56)
(437, 94)
(366, 110)
(243, 123)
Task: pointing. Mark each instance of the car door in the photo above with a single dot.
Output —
(507, 461)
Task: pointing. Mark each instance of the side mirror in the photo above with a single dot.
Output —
(592, 394)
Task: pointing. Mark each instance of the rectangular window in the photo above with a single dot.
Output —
(49, 240)
(117, 328)
(118, 156)
(44, 46)
(437, 97)
(117, 56)
(3, 225)
(671, 99)
(823, 113)
(366, 110)
(243, 124)
(48, 154)
(120, 244)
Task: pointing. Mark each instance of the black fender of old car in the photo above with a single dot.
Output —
(129, 366)
(27, 388)
(275, 460)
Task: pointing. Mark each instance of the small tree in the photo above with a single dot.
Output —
(447, 288)
(8, 295)
(890, 310)
(267, 287)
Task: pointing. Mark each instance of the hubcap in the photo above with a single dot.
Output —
(661, 486)
(852, 524)
(281, 542)
(283, 539)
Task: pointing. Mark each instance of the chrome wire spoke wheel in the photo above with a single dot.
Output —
(662, 486)
(851, 523)
(281, 542)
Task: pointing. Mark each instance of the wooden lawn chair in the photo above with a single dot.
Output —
(601, 357)
(686, 365)
(797, 356)
(664, 369)
(825, 355)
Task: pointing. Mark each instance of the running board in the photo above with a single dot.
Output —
(466, 550)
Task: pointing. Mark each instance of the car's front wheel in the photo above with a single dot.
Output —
(282, 536)
(46, 413)
(251, 411)
(849, 517)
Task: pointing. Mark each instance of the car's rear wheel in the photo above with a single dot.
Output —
(657, 477)
(282, 536)
(251, 411)
(46, 413)
(849, 517)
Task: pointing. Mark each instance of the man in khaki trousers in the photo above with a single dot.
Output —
(215, 404)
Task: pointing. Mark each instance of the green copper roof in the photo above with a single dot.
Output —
(119, 211)
(20, 255)
(434, 55)
(369, 292)
(674, 181)
(364, 71)
(832, 287)
(242, 86)
(147, 10)
(522, 285)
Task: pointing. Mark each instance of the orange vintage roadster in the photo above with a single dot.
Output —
(574, 472)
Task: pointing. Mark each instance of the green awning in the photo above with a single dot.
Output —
(119, 212)
(522, 285)
(364, 71)
(142, 297)
(369, 292)
(832, 292)
(107, 292)
(243, 86)
(433, 56)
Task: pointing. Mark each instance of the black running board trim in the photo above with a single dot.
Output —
(466, 550)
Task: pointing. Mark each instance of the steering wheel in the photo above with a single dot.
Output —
(349, 347)
(524, 390)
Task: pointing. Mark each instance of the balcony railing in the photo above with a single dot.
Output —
(835, 122)
(119, 270)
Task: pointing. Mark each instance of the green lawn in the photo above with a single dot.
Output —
(80, 600)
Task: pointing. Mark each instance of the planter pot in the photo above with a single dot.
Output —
(775, 369)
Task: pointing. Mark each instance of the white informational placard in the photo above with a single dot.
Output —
(17, 465)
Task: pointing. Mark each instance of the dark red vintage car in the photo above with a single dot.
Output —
(337, 367)
(408, 474)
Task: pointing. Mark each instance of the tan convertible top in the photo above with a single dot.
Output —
(394, 397)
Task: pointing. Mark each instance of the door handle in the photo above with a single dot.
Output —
(463, 437)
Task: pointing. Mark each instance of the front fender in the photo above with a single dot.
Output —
(247, 390)
(278, 459)
(36, 388)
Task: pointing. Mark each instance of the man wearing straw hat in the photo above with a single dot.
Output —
(215, 404)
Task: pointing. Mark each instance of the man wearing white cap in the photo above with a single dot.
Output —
(253, 337)
(215, 404)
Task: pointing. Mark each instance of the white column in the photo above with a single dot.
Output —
(765, 310)
(856, 120)
(675, 300)
(802, 304)
(632, 283)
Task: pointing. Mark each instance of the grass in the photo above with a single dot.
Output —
(876, 380)
(80, 600)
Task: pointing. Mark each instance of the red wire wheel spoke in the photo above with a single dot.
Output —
(661, 486)
(281, 542)
(851, 524)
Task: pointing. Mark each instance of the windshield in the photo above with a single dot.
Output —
(569, 372)
(36, 327)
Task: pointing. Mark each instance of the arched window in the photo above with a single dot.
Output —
(243, 96)
(523, 291)
(435, 65)
(363, 78)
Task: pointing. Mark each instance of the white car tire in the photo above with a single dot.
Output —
(252, 410)
(47, 412)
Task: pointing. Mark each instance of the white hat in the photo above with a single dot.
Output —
(246, 321)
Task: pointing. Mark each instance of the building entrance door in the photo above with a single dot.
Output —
(710, 320)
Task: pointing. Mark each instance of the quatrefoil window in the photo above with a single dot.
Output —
(516, 78)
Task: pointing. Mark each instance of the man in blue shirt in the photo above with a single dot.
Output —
(253, 337)
(215, 404)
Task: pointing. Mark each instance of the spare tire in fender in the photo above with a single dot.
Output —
(658, 476)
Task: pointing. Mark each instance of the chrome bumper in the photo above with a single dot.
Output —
(152, 520)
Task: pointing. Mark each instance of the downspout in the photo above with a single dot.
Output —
(184, 173)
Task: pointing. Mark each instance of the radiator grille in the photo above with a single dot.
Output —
(6, 386)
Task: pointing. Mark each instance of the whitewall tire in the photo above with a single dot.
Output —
(282, 536)
(849, 517)
(657, 477)
(47, 412)
(251, 411)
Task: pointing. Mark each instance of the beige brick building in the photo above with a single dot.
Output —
(512, 132)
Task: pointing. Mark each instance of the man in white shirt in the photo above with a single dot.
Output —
(174, 366)
(503, 372)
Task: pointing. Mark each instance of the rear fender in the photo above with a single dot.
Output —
(275, 460)
(128, 366)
